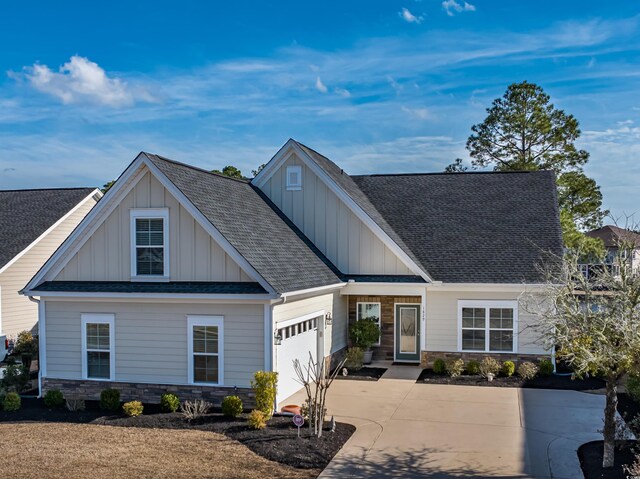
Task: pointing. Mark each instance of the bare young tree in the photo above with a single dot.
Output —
(316, 379)
(592, 317)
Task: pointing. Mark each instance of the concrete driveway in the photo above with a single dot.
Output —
(406, 429)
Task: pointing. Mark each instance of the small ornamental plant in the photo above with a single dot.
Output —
(545, 367)
(527, 370)
(12, 402)
(133, 408)
(454, 367)
(508, 368)
(257, 419)
(489, 366)
(110, 400)
(354, 359)
(439, 366)
(53, 399)
(169, 402)
(232, 406)
(364, 333)
(473, 368)
(265, 384)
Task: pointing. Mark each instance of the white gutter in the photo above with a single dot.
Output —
(319, 289)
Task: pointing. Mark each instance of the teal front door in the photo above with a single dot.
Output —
(407, 334)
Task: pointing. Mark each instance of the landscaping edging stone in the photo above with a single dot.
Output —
(147, 393)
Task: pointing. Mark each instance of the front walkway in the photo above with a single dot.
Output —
(406, 429)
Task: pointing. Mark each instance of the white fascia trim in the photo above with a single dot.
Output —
(206, 224)
(153, 296)
(95, 192)
(521, 287)
(280, 157)
(99, 318)
(125, 183)
(318, 289)
(152, 213)
(383, 289)
(199, 320)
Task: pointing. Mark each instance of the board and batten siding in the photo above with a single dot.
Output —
(194, 255)
(18, 312)
(334, 303)
(330, 224)
(442, 320)
(151, 340)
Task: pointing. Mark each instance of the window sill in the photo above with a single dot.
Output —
(484, 351)
(151, 279)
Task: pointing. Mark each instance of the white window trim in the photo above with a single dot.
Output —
(293, 186)
(150, 213)
(487, 305)
(206, 321)
(379, 317)
(95, 318)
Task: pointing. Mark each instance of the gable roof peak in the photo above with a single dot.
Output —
(152, 156)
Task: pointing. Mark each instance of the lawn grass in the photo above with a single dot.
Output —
(61, 450)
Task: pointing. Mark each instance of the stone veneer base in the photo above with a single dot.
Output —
(147, 393)
(428, 357)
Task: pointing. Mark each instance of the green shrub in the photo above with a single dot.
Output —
(110, 399)
(488, 366)
(473, 367)
(169, 402)
(527, 370)
(633, 387)
(16, 378)
(265, 384)
(354, 358)
(257, 419)
(508, 368)
(545, 367)
(54, 399)
(454, 367)
(232, 406)
(133, 408)
(26, 343)
(11, 402)
(439, 366)
(364, 333)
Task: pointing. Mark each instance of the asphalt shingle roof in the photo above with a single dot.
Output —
(254, 226)
(612, 236)
(189, 287)
(481, 227)
(26, 214)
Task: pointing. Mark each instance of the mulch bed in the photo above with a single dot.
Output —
(541, 382)
(278, 442)
(629, 409)
(363, 374)
(590, 455)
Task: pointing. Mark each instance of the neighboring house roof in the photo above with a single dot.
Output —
(26, 214)
(481, 227)
(190, 287)
(347, 184)
(612, 236)
(254, 226)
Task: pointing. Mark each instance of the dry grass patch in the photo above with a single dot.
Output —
(82, 450)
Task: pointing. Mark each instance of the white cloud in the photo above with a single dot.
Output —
(321, 87)
(343, 92)
(81, 80)
(420, 113)
(409, 17)
(453, 6)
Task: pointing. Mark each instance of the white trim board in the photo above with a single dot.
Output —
(95, 192)
(282, 155)
(198, 320)
(150, 213)
(99, 318)
(487, 304)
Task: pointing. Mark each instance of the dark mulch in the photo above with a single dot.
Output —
(364, 374)
(629, 409)
(541, 382)
(278, 442)
(590, 455)
(34, 410)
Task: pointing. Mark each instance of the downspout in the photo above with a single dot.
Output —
(40, 350)
(270, 349)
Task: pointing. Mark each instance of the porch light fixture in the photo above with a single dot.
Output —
(328, 319)
(277, 338)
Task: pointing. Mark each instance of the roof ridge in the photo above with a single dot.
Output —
(443, 173)
(196, 168)
(51, 189)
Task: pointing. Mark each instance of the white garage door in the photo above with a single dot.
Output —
(299, 338)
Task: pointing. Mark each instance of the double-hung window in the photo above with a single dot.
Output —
(370, 311)
(149, 243)
(487, 326)
(98, 355)
(206, 349)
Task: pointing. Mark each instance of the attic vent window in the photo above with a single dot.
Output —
(294, 178)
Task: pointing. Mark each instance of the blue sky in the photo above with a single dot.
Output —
(378, 86)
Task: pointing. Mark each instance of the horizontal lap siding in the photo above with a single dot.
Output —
(151, 340)
(442, 320)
